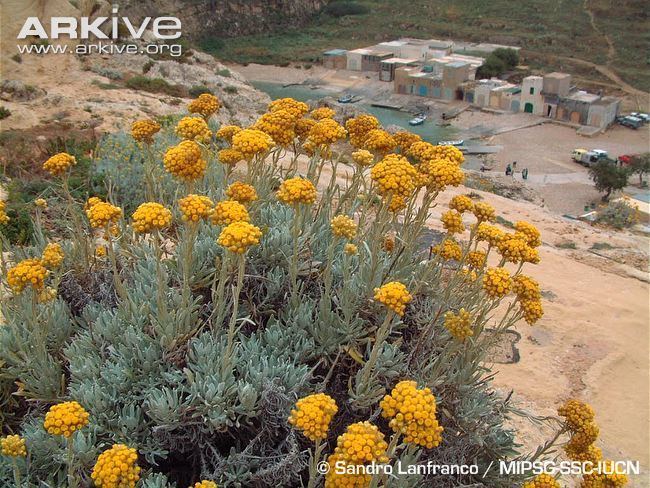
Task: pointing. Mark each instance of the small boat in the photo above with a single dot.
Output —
(458, 142)
(418, 119)
(347, 98)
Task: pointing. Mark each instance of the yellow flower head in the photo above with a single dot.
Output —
(489, 233)
(380, 141)
(591, 453)
(241, 192)
(294, 107)
(358, 128)
(297, 190)
(59, 163)
(448, 249)
(252, 142)
(13, 446)
(421, 151)
(226, 132)
(363, 158)
(396, 203)
(452, 221)
(279, 125)
(193, 129)
(195, 207)
(117, 467)
(91, 202)
(405, 140)
(440, 173)
(497, 282)
(322, 113)
(313, 414)
(230, 156)
(100, 251)
(529, 233)
(46, 295)
(101, 214)
(462, 203)
(204, 484)
(303, 128)
(144, 130)
(542, 481)
(350, 249)
(484, 212)
(65, 418)
(184, 161)
(343, 226)
(459, 325)
(361, 444)
(28, 272)
(581, 439)
(205, 104)
(229, 211)
(394, 175)
(394, 296)
(53, 255)
(449, 153)
(151, 216)
(610, 477)
(326, 132)
(526, 288)
(476, 259)
(239, 236)
(513, 249)
(412, 413)
(577, 414)
(4, 218)
(40, 202)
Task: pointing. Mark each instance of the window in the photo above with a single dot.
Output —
(532, 90)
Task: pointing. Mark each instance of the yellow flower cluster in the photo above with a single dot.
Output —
(529, 233)
(350, 249)
(100, 251)
(577, 415)
(532, 310)
(592, 454)
(101, 214)
(459, 325)
(395, 203)
(65, 418)
(412, 412)
(151, 216)
(358, 128)
(440, 173)
(380, 141)
(239, 236)
(489, 233)
(303, 127)
(116, 467)
(313, 414)
(47, 295)
(326, 132)
(53, 255)
(204, 484)
(362, 443)
(193, 129)
(228, 211)
(297, 190)
(449, 153)
(28, 272)
(609, 478)
(4, 218)
(452, 221)
(448, 249)
(583, 438)
(241, 192)
(497, 282)
(251, 142)
(279, 125)
(59, 163)
(363, 158)
(542, 481)
(226, 132)
(526, 288)
(229, 156)
(195, 207)
(476, 259)
(184, 161)
(40, 202)
(13, 446)
(405, 140)
(484, 212)
(394, 296)
(421, 151)
(513, 249)
(394, 175)
(462, 203)
(322, 113)
(144, 130)
(294, 107)
(343, 226)
(580, 421)
(205, 104)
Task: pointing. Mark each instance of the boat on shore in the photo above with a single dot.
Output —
(458, 142)
(419, 119)
(347, 98)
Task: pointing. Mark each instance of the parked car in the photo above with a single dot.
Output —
(640, 115)
(589, 158)
(630, 121)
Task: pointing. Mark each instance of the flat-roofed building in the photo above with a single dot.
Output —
(353, 59)
(335, 59)
(532, 101)
(371, 61)
(603, 112)
(388, 67)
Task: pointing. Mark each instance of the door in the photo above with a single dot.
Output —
(423, 90)
(528, 108)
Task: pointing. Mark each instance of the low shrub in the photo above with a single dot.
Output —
(155, 85)
(618, 214)
(344, 8)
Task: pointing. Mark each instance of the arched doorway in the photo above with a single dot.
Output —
(528, 108)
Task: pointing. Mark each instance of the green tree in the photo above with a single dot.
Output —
(608, 177)
(509, 56)
(640, 165)
(493, 66)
